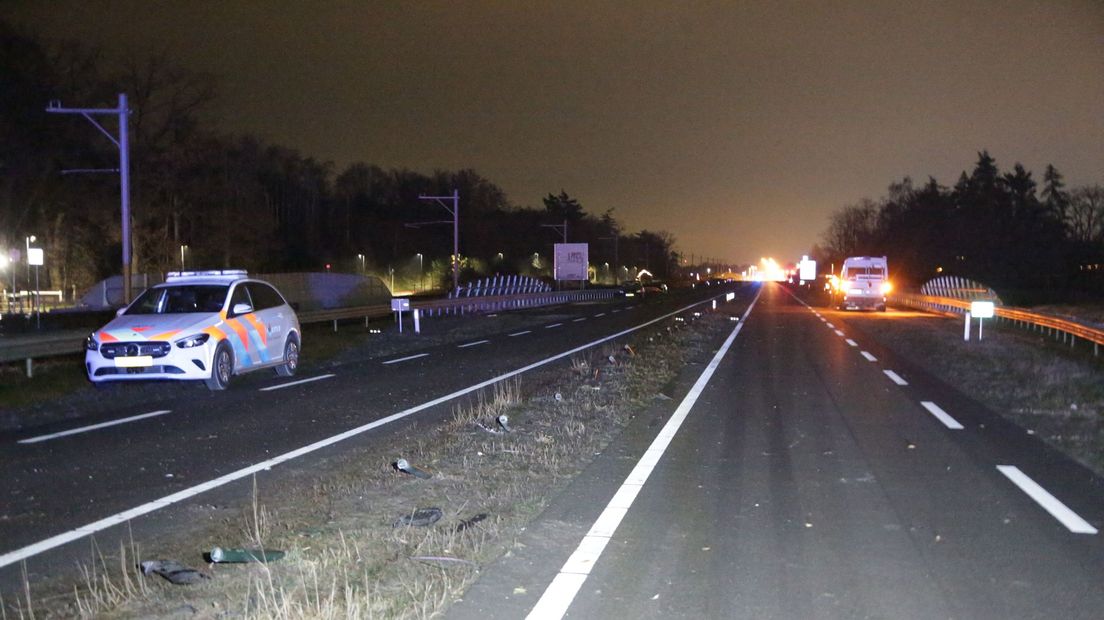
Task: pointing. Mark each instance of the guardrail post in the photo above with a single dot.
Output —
(30, 368)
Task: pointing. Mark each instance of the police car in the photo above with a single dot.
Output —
(198, 325)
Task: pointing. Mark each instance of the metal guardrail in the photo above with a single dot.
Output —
(1069, 331)
(71, 342)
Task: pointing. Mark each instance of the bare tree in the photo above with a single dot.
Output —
(1086, 213)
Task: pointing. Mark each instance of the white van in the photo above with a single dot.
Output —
(863, 283)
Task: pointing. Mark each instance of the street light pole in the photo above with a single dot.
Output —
(123, 144)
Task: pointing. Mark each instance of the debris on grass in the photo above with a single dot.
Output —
(404, 466)
(420, 517)
(466, 523)
(173, 571)
(219, 555)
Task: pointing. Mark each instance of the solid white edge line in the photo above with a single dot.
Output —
(557, 598)
(472, 344)
(405, 359)
(528, 331)
(57, 540)
(851, 342)
(299, 382)
(92, 427)
(1051, 504)
(894, 377)
(868, 356)
(941, 415)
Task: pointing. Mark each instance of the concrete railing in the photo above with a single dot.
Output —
(36, 346)
(1064, 329)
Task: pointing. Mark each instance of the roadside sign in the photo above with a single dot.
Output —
(807, 267)
(982, 309)
(34, 256)
(571, 261)
(401, 304)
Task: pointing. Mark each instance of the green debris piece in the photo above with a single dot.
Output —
(219, 555)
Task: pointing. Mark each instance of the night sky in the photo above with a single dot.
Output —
(737, 126)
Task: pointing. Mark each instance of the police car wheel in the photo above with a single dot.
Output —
(221, 368)
(291, 358)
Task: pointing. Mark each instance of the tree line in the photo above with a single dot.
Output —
(1031, 245)
(208, 199)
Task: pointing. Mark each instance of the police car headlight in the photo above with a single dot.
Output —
(90, 342)
(192, 341)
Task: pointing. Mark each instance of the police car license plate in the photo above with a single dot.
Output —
(139, 361)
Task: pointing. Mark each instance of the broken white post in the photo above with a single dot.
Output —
(966, 333)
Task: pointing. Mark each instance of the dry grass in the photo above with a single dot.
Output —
(345, 556)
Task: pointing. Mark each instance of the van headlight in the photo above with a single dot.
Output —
(192, 341)
(886, 288)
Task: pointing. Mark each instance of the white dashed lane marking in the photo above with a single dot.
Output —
(552, 325)
(528, 331)
(896, 378)
(407, 358)
(472, 344)
(1051, 504)
(840, 333)
(299, 382)
(869, 357)
(582, 318)
(851, 342)
(599, 314)
(92, 427)
(941, 415)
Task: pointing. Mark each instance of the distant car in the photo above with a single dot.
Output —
(629, 288)
(201, 325)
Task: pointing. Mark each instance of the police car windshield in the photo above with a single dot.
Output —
(180, 299)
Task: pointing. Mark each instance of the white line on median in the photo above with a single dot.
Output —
(406, 359)
(528, 331)
(1051, 504)
(472, 344)
(869, 357)
(299, 382)
(851, 342)
(840, 333)
(552, 325)
(894, 377)
(941, 415)
(553, 604)
(88, 529)
(85, 429)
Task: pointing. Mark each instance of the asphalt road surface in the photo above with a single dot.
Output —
(138, 467)
(815, 476)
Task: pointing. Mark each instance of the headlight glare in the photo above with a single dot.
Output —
(90, 342)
